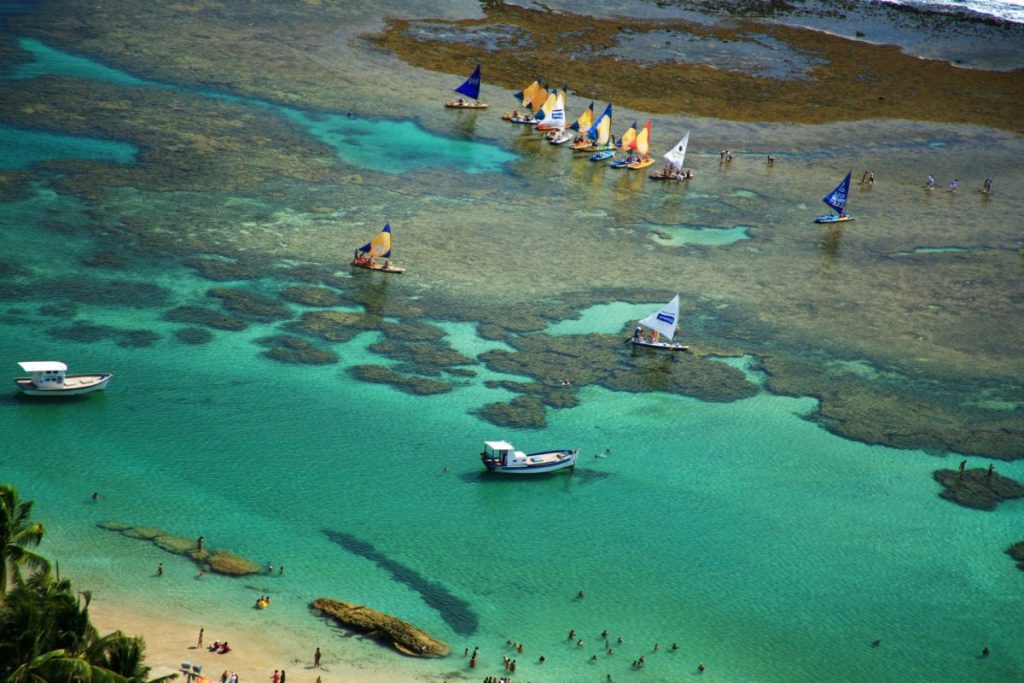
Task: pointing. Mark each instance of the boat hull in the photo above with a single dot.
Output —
(379, 267)
(452, 104)
(601, 156)
(564, 459)
(833, 218)
(659, 346)
(74, 385)
(643, 163)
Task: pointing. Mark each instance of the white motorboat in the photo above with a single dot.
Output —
(501, 456)
(50, 378)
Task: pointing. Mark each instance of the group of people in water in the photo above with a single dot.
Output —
(929, 184)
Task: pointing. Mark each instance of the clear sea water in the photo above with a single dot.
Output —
(768, 548)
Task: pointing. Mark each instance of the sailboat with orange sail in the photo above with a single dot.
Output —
(379, 247)
(642, 146)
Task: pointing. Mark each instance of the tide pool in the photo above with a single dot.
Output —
(383, 145)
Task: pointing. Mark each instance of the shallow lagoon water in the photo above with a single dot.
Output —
(768, 548)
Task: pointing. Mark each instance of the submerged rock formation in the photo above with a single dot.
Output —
(404, 637)
(216, 561)
(1016, 551)
(977, 488)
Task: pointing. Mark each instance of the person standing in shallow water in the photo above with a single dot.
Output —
(316, 659)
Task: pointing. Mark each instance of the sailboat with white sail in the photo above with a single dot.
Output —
(470, 89)
(674, 169)
(836, 200)
(663, 325)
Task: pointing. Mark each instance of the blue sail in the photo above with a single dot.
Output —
(592, 132)
(471, 88)
(837, 197)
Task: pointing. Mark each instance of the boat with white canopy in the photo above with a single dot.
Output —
(502, 457)
(50, 378)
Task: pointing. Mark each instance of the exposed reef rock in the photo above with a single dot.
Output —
(223, 271)
(289, 349)
(216, 561)
(521, 412)
(193, 335)
(308, 295)
(335, 326)
(404, 637)
(198, 315)
(250, 304)
(410, 384)
(977, 488)
(89, 332)
(885, 407)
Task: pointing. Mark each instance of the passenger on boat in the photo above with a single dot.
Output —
(638, 334)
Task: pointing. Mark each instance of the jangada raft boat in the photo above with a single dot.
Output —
(675, 156)
(663, 323)
(49, 379)
(379, 247)
(502, 457)
(836, 199)
(471, 89)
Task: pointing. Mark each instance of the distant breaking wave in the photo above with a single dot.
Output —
(1006, 10)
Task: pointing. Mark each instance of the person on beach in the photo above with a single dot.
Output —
(864, 178)
(952, 186)
(930, 183)
(224, 677)
(871, 178)
(200, 638)
(199, 543)
(316, 659)
(986, 187)
(276, 678)
(160, 569)
(282, 675)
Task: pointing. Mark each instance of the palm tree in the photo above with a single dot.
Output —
(16, 534)
(57, 666)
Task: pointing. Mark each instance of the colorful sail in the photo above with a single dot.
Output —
(837, 197)
(628, 140)
(665, 320)
(471, 88)
(643, 140)
(549, 104)
(678, 153)
(526, 94)
(379, 246)
(557, 116)
(585, 120)
(540, 96)
(601, 131)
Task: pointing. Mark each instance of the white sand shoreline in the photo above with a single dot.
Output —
(255, 652)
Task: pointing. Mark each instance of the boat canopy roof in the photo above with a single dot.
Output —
(499, 445)
(43, 366)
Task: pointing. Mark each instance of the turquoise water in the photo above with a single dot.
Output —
(766, 547)
(25, 147)
(387, 146)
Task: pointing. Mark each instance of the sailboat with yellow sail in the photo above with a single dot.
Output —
(532, 97)
(577, 129)
(379, 247)
(599, 135)
(642, 146)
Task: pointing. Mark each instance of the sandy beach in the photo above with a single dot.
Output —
(255, 652)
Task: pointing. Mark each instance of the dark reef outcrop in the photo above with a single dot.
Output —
(977, 488)
(216, 561)
(401, 635)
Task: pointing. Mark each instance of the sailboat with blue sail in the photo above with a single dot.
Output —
(836, 199)
(379, 247)
(470, 89)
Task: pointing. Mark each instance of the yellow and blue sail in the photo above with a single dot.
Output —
(585, 119)
(471, 88)
(837, 197)
(601, 129)
(379, 246)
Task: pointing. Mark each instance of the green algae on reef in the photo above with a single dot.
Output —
(1016, 551)
(410, 384)
(288, 349)
(216, 561)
